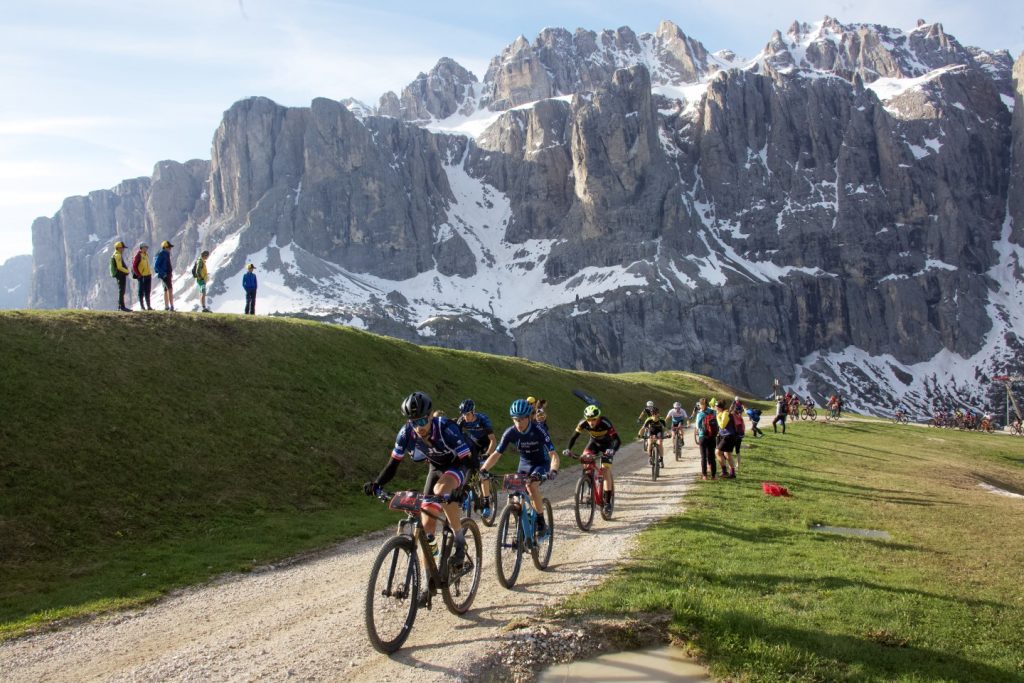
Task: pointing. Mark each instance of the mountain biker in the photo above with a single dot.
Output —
(646, 412)
(677, 418)
(479, 434)
(604, 441)
(437, 441)
(704, 435)
(655, 427)
(537, 455)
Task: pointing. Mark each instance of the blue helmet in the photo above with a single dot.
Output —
(520, 408)
(467, 406)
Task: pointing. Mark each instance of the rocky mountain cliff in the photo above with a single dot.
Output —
(15, 276)
(842, 211)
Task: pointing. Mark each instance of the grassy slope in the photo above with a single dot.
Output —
(762, 598)
(139, 453)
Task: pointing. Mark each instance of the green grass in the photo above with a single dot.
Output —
(146, 452)
(762, 598)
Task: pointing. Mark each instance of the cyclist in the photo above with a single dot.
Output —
(646, 412)
(437, 441)
(677, 418)
(655, 427)
(537, 455)
(604, 441)
(479, 434)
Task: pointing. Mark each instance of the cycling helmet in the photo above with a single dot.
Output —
(519, 408)
(650, 404)
(591, 412)
(416, 405)
(677, 405)
(467, 406)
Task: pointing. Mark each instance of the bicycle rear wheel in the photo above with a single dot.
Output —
(585, 503)
(541, 552)
(508, 547)
(391, 594)
(458, 594)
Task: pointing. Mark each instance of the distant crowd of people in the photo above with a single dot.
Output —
(142, 272)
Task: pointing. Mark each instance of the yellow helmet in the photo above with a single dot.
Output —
(531, 400)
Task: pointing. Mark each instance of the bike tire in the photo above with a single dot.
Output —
(655, 468)
(458, 595)
(679, 449)
(397, 559)
(541, 551)
(508, 547)
(585, 503)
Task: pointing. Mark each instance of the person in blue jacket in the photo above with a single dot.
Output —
(249, 285)
(537, 455)
(755, 417)
(164, 270)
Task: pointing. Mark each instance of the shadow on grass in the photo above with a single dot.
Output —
(788, 653)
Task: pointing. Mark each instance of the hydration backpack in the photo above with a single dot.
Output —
(710, 423)
(113, 266)
(737, 424)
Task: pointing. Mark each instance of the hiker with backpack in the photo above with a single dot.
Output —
(741, 431)
(725, 444)
(119, 271)
(164, 270)
(142, 273)
(200, 273)
(705, 431)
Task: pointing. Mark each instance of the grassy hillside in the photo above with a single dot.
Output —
(764, 598)
(143, 452)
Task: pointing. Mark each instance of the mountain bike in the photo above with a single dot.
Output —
(677, 442)
(654, 455)
(472, 499)
(900, 417)
(517, 531)
(832, 415)
(1016, 428)
(808, 413)
(393, 593)
(590, 490)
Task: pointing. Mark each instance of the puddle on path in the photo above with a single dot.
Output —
(999, 491)
(662, 665)
(847, 531)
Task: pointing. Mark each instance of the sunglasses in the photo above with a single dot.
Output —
(421, 422)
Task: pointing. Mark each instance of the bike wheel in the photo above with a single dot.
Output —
(585, 503)
(541, 551)
(508, 547)
(458, 594)
(391, 594)
(678, 448)
(655, 467)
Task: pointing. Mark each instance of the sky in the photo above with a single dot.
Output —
(96, 91)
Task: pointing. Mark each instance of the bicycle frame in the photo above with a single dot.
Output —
(412, 504)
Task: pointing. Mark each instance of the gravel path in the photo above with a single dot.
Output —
(305, 622)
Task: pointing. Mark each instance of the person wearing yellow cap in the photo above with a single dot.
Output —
(249, 285)
(119, 271)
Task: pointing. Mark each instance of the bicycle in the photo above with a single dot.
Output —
(832, 415)
(517, 531)
(1016, 428)
(590, 491)
(393, 593)
(808, 413)
(677, 441)
(900, 417)
(654, 455)
(472, 499)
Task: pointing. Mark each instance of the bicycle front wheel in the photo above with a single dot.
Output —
(585, 503)
(678, 447)
(458, 593)
(541, 551)
(655, 465)
(508, 547)
(391, 594)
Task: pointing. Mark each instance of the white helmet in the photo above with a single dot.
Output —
(650, 404)
(677, 405)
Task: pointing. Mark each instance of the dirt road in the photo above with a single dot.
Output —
(305, 622)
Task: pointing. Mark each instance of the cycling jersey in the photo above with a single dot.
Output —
(477, 432)
(655, 426)
(602, 435)
(443, 448)
(676, 416)
(534, 445)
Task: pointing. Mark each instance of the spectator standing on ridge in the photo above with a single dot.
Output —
(119, 271)
(164, 270)
(249, 285)
(781, 406)
(201, 276)
(705, 428)
(142, 273)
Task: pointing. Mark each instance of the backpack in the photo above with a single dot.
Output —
(113, 265)
(195, 269)
(737, 424)
(710, 424)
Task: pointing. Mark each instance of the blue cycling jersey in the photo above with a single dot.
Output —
(478, 430)
(534, 445)
(443, 447)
